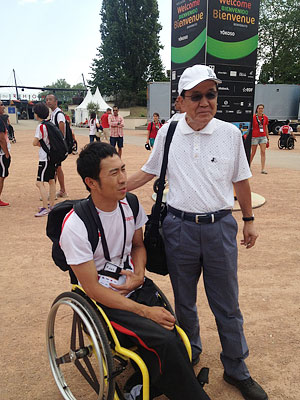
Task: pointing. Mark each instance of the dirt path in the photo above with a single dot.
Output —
(268, 274)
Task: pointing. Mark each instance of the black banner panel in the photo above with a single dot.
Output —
(224, 35)
(189, 35)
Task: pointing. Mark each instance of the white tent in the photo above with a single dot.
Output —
(81, 112)
(97, 98)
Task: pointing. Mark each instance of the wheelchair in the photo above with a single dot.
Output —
(286, 141)
(86, 358)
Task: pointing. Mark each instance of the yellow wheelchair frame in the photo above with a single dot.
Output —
(91, 324)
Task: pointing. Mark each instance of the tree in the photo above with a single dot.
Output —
(279, 44)
(92, 107)
(128, 56)
(63, 96)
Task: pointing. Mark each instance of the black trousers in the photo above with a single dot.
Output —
(170, 370)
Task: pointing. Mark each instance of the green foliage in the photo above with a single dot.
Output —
(64, 96)
(92, 107)
(128, 56)
(279, 44)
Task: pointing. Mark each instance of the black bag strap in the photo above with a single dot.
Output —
(56, 117)
(133, 204)
(96, 219)
(42, 142)
(161, 183)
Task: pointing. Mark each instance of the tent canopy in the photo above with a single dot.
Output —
(81, 112)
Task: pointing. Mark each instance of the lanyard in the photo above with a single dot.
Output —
(260, 123)
(101, 230)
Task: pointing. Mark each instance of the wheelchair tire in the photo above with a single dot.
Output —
(280, 146)
(78, 349)
(290, 143)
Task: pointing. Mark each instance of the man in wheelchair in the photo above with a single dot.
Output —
(287, 136)
(114, 276)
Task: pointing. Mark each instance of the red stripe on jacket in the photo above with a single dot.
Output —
(131, 333)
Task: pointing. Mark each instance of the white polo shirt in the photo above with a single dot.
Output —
(202, 165)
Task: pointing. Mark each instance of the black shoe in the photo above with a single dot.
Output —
(250, 389)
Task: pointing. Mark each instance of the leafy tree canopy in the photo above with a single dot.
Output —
(128, 56)
(64, 96)
(279, 44)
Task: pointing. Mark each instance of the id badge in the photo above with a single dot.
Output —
(110, 267)
(261, 129)
(111, 274)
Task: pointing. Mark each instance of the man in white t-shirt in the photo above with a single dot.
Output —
(206, 159)
(117, 280)
(58, 118)
(46, 170)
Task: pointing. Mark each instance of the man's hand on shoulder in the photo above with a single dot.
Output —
(133, 281)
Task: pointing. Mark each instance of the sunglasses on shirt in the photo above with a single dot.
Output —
(198, 96)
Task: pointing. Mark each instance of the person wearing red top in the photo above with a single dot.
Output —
(260, 135)
(153, 128)
(105, 124)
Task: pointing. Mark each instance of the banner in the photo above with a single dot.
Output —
(188, 38)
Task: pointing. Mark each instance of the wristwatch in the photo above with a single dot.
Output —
(245, 219)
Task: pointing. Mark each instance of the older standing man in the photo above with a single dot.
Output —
(116, 123)
(4, 152)
(206, 159)
(58, 118)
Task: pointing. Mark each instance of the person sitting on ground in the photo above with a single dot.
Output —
(46, 170)
(131, 303)
(152, 129)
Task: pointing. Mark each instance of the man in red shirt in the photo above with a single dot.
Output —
(260, 135)
(105, 124)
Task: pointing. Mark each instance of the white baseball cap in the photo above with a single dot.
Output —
(194, 75)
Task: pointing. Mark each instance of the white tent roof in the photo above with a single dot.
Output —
(88, 98)
(97, 98)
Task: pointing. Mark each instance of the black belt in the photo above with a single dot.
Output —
(208, 218)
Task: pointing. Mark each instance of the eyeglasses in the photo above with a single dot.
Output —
(198, 96)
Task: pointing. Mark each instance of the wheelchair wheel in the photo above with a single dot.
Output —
(280, 145)
(290, 143)
(79, 352)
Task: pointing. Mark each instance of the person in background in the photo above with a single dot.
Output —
(116, 123)
(260, 135)
(152, 129)
(5, 158)
(285, 131)
(105, 124)
(46, 170)
(58, 119)
(93, 124)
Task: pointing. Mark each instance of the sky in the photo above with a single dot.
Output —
(46, 40)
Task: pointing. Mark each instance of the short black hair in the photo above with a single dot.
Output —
(41, 110)
(52, 94)
(89, 160)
